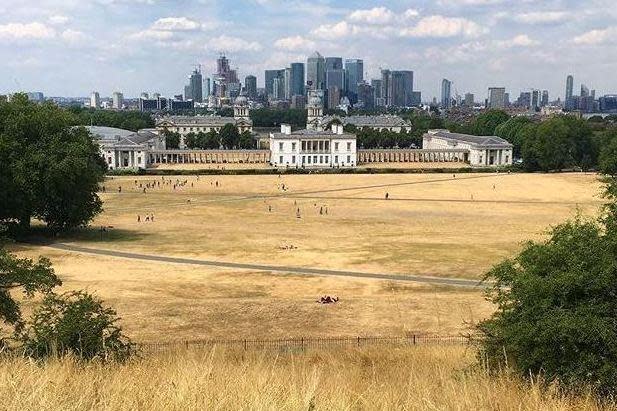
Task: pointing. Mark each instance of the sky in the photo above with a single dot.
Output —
(73, 47)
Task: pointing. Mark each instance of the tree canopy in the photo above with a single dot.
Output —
(127, 120)
(556, 306)
(49, 169)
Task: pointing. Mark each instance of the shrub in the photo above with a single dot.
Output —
(76, 323)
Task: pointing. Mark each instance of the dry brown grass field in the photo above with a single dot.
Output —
(433, 224)
(415, 378)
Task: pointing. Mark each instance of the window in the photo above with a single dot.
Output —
(348, 147)
(138, 160)
(336, 159)
(108, 160)
(320, 159)
(303, 159)
(293, 146)
(326, 158)
(315, 159)
(280, 146)
(348, 159)
(280, 159)
(183, 128)
(507, 159)
(480, 159)
(309, 159)
(293, 159)
(335, 146)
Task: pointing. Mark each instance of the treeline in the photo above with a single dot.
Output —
(558, 143)
(127, 120)
(265, 117)
(229, 137)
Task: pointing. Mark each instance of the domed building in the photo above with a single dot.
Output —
(314, 112)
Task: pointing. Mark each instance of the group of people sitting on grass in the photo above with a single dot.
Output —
(326, 299)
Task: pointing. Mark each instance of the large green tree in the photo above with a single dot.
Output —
(50, 170)
(607, 160)
(556, 306)
(486, 123)
(511, 131)
(230, 136)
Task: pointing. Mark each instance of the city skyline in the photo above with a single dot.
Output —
(150, 45)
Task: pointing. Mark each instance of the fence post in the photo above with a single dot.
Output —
(414, 339)
(303, 343)
(358, 341)
(245, 344)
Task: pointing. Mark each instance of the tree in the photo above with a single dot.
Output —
(246, 140)
(486, 123)
(50, 169)
(511, 132)
(22, 274)
(556, 307)
(212, 141)
(172, 139)
(230, 136)
(607, 160)
(191, 140)
(127, 120)
(76, 323)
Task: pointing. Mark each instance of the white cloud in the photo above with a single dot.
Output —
(149, 34)
(376, 15)
(294, 43)
(595, 37)
(73, 36)
(334, 31)
(469, 2)
(411, 13)
(542, 17)
(522, 40)
(233, 44)
(26, 31)
(175, 24)
(58, 20)
(440, 26)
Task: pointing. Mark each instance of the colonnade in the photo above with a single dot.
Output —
(209, 156)
(411, 156)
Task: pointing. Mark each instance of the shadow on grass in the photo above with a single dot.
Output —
(95, 234)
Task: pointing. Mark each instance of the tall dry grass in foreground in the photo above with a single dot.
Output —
(421, 378)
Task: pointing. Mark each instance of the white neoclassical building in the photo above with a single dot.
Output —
(313, 148)
(388, 122)
(482, 150)
(124, 148)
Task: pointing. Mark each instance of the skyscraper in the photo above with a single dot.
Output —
(366, 95)
(401, 88)
(333, 63)
(250, 86)
(316, 71)
(544, 101)
(469, 100)
(195, 86)
(297, 79)
(270, 75)
(118, 100)
(354, 75)
(335, 78)
(446, 94)
(569, 92)
(386, 87)
(95, 100)
(496, 97)
(535, 99)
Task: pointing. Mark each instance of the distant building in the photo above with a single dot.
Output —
(446, 94)
(334, 96)
(194, 90)
(569, 93)
(497, 97)
(270, 77)
(378, 122)
(366, 96)
(333, 63)
(608, 103)
(117, 100)
(416, 98)
(316, 71)
(469, 100)
(126, 149)
(250, 85)
(354, 75)
(95, 100)
(483, 150)
(36, 96)
(545, 100)
(298, 102)
(313, 148)
(297, 79)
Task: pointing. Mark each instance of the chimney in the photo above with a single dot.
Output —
(337, 128)
(286, 129)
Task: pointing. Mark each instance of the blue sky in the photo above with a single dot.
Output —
(71, 47)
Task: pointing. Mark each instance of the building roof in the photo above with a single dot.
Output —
(199, 120)
(385, 120)
(469, 139)
(109, 136)
(313, 134)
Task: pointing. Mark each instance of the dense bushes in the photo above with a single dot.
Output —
(556, 306)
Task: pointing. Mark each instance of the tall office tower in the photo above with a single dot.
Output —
(569, 92)
(270, 76)
(208, 87)
(402, 88)
(446, 94)
(376, 84)
(333, 63)
(297, 79)
(117, 100)
(144, 95)
(278, 88)
(544, 100)
(386, 87)
(524, 100)
(316, 72)
(469, 100)
(496, 97)
(335, 78)
(226, 79)
(584, 91)
(334, 96)
(366, 95)
(535, 99)
(95, 100)
(195, 86)
(354, 75)
(287, 81)
(250, 86)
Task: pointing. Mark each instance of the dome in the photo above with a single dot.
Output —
(241, 101)
(314, 101)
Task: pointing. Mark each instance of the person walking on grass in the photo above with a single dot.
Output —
(387, 196)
